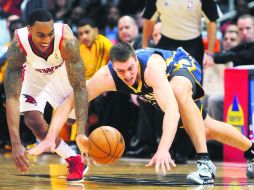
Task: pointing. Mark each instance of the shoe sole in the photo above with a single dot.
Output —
(74, 181)
(250, 175)
(80, 180)
(198, 181)
(86, 170)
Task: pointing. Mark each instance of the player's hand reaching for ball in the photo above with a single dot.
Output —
(45, 145)
(19, 156)
(82, 142)
(162, 161)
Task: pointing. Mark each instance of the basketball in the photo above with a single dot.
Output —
(106, 145)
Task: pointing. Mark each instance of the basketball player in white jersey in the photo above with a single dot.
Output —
(52, 70)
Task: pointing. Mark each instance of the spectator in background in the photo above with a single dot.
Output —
(61, 10)
(77, 14)
(94, 47)
(97, 11)
(128, 32)
(239, 54)
(111, 30)
(241, 8)
(242, 54)
(231, 37)
(181, 26)
(214, 76)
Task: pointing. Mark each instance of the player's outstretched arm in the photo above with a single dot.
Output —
(12, 84)
(76, 73)
(164, 95)
(60, 117)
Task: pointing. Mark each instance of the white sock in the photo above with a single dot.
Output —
(64, 150)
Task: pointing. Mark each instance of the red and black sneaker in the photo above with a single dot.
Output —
(76, 169)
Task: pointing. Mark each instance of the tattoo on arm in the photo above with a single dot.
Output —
(13, 73)
(76, 74)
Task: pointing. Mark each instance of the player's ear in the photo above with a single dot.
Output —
(29, 29)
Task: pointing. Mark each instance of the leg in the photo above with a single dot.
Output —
(229, 135)
(183, 87)
(35, 121)
(226, 134)
(193, 122)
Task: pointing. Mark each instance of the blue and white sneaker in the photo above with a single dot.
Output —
(205, 173)
(250, 168)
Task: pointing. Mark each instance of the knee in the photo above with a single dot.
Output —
(30, 120)
(70, 121)
(208, 133)
(34, 121)
(181, 94)
(182, 88)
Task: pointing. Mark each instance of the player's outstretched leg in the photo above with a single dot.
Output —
(227, 134)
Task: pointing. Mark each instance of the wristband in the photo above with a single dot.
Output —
(210, 54)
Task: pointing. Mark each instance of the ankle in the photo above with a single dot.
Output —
(203, 156)
(249, 154)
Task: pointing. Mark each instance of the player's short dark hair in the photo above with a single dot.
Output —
(86, 21)
(41, 15)
(121, 52)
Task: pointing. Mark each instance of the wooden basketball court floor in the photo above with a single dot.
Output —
(48, 171)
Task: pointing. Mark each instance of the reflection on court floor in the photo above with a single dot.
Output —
(48, 171)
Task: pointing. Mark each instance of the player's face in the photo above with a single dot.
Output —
(127, 71)
(42, 34)
(246, 29)
(87, 35)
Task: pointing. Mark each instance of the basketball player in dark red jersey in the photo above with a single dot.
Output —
(52, 70)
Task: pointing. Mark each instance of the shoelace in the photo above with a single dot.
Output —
(204, 166)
